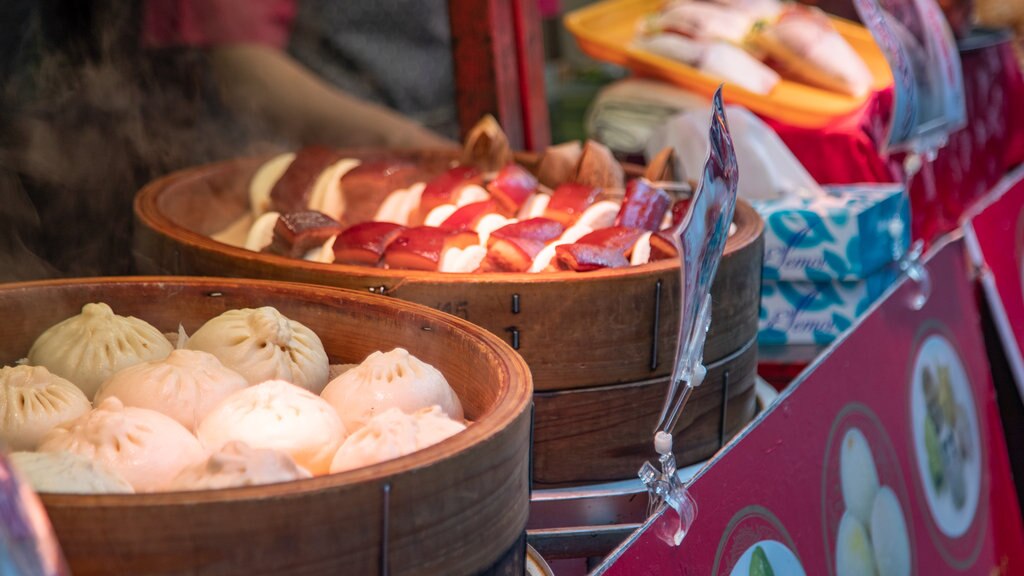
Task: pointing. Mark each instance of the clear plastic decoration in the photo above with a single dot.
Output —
(30, 547)
(929, 89)
(701, 239)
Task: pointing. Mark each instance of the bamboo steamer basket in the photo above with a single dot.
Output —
(577, 331)
(458, 507)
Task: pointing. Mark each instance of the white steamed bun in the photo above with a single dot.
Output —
(279, 416)
(88, 348)
(67, 473)
(145, 447)
(392, 434)
(236, 464)
(186, 386)
(262, 344)
(32, 402)
(395, 379)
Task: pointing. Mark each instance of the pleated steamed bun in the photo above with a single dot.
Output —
(280, 416)
(186, 386)
(237, 464)
(392, 434)
(90, 347)
(395, 379)
(33, 401)
(67, 473)
(145, 447)
(262, 344)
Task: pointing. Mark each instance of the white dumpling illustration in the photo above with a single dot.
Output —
(393, 434)
(145, 447)
(858, 475)
(278, 416)
(395, 379)
(237, 464)
(88, 348)
(854, 556)
(33, 401)
(889, 537)
(262, 344)
(186, 386)
(67, 473)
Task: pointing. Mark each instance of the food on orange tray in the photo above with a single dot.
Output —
(751, 43)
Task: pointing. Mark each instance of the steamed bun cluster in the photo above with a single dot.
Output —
(872, 539)
(236, 404)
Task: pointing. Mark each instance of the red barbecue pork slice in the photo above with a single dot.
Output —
(679, 210)
(369, 183)
(663, 246)
(421, 248)
(618, 237)
(569, 201)
(292, 191)
(543, 230)
(443, 188)
(299, 232)
(365, 243)
(511, 187)
(468, 216)
(644, 206)
(510, 254)
(587, 257)
(603, 248)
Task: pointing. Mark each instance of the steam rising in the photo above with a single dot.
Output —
(86, 119)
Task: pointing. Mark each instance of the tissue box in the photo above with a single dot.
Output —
(846, 234)
(816, 312)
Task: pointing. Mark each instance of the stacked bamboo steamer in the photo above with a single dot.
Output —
(599, 344)
(458, 507)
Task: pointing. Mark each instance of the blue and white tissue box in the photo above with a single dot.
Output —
(847, 233)
(816, 312)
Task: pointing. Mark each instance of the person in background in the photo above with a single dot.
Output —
(99, 97)
(336, 73)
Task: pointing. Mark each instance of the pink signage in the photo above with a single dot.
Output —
(886, 457)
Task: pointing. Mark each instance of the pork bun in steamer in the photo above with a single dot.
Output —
(280, 416)
(67, 473)
(90, 347)
(186, 386)
(262, 344)
(32, 402)
(145, 447)
(394, 379)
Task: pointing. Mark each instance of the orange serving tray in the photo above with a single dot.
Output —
(605, 31)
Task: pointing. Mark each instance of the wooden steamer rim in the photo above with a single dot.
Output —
(497, 441)
(178, 243)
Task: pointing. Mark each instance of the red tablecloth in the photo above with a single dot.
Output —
(970, 165)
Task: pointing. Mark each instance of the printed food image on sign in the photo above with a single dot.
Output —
(768, 558)
(755, 543)
(866, 525)
(946, 436)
